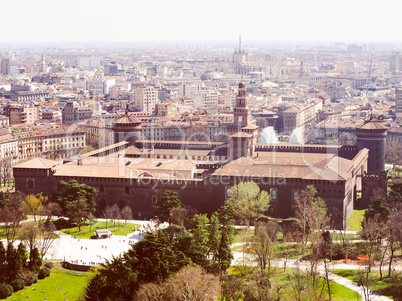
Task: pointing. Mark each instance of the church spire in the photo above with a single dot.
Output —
(239, 42)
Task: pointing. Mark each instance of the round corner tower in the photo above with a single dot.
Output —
(371, 135)
(126, 128)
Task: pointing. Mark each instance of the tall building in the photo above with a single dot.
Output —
(240, 60)
(398, 100)
(91, 61)
(145, 99)
(5, 66)
(43, 67)
(242, 134)
(395, 63)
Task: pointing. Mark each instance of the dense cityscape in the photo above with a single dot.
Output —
(150, 151)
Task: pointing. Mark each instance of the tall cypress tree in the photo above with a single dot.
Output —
(12, 267)
(3, 262)
(35, 261)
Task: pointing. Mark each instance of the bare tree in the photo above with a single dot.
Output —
(393, 233)
(115, 210)
(5, 170)
(126, 213)
(11, 215)
(29, 233)
(108, 214)
(192, 283)
(393, 153)
(47, 237)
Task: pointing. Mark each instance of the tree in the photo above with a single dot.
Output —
(47, 237)
(154, 258)
(50, 209)
(169, 200)
(11, 215)
(77, 201)
(214, 237)
(393, 152)
(32, 205)
(346, 139)
(126, 213)
(248, 202)
(225, 254)
(108, 214)
(3, 262)
(35, 261)
(115, 210)
(263, 243)
(192, 283)
(378, 209)
(29, 233)
(78, 212)
(5, 170)
(393, 233)
(200, 232)
(310, 211)
(86, 149)
(373, 233)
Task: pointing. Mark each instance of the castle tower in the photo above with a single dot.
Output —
(371, 135)
(243, 134)
(126, 128)
(43, 64)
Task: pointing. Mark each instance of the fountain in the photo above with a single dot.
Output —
(268, 135)
(297, 136)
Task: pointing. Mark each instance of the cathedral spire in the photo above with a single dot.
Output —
(240, 43)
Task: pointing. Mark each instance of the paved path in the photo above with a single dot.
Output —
(291, 263)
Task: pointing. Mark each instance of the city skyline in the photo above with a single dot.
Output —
(122, 21)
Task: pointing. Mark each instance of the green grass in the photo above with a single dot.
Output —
(338, 236)
(355, 220)
(69, 281)
(383, 287)
(87, 231)
(338, 291)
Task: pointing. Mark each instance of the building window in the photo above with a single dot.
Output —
(154, 199)
(295, 195)
(228, 195)
(126, 189)
(273, 192)
(101, 189)
(30, 184)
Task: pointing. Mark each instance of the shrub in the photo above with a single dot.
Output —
(49, 265)
(30, 278)
(3, 291)
(43, 273)
(10, 290)
(6, 290)
(18, 284)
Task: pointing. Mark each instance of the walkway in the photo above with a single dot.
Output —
(290, 263)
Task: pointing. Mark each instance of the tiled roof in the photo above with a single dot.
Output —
(371, 125)
(40, 163)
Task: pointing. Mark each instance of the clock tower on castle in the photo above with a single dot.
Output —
(242, 133)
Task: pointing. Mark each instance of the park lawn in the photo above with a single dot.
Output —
(382, 287)
(338, 291)
(88, 231)
(338, 237)
(355, 220)
(71, 282)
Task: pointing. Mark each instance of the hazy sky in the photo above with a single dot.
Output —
(150, 20)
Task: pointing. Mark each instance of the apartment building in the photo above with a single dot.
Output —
(23, 115)
(145, 99)
(302, 115)
(72, 113)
